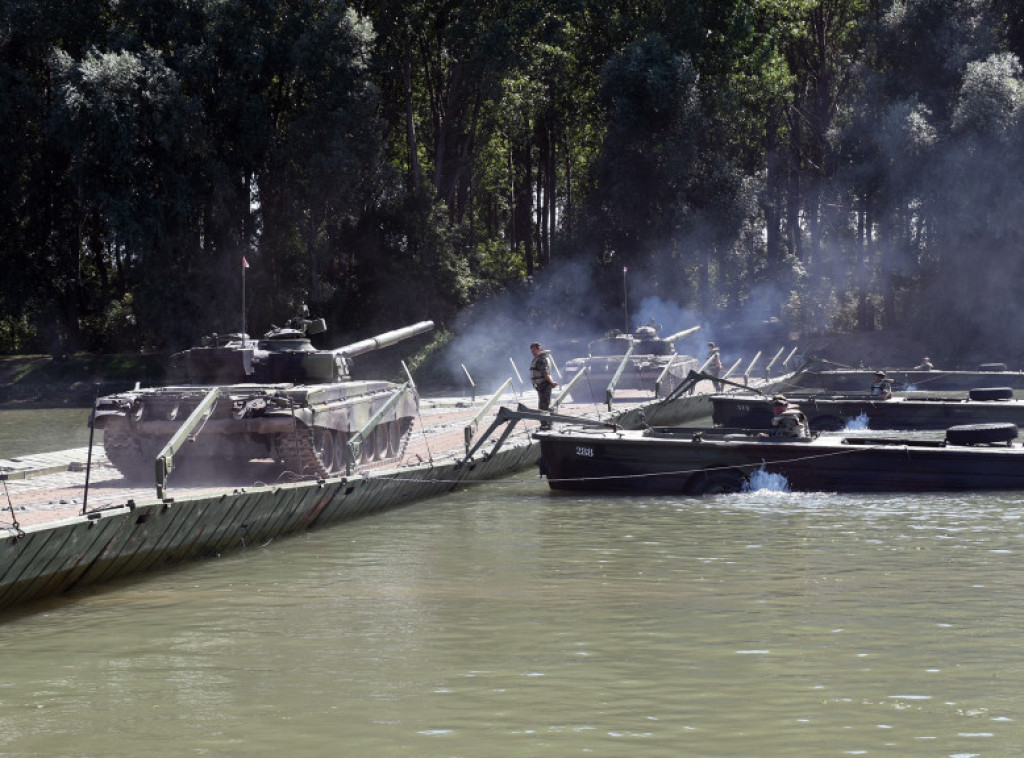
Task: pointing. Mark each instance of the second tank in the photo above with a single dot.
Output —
(648, 357)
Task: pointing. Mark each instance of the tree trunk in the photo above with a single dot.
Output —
(773, 198)
(413, 182)
(522, 208)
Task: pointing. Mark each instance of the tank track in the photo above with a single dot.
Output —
(297, 450)
(125, 452)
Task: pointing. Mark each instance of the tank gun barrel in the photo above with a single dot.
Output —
(684, 333)
(383, 340)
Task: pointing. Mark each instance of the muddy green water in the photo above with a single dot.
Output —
(508, 621)
(26, 431)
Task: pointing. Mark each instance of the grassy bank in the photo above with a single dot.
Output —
(74, 381)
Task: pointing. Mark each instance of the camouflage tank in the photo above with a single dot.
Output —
(244, 399)
(649, 355)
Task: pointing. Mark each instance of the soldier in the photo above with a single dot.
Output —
(925, 365)
(788, 420)
(540, 375)
(882, 388)
(714, 365)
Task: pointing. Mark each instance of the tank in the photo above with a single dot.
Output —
(240, 399)
(646, 363)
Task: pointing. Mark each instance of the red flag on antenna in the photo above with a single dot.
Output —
(245, 263)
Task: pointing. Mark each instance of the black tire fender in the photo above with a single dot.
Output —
(990, 393)
(716, 482)
(981, 434)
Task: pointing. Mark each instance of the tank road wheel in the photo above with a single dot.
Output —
(720, 482)
(394, 438)
(981, 434)
(367, 450)
(127, 454)
(340, 450)
(380, 442)
(323, 447)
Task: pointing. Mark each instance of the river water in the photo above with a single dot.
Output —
(30, 430)
(505, 620)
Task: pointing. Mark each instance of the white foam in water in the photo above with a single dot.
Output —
(762, 480)
(857, 424)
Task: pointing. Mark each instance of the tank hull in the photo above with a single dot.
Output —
(305, 427)
(640, 374)
(646, 357)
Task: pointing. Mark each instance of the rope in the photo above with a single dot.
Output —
(751, 466)
(621, 477)
(423, 431)
(15, 526)
(938, 375)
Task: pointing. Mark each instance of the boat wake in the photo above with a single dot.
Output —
(857, 424)
(765, 481)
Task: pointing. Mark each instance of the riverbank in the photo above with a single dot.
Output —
(75, 380)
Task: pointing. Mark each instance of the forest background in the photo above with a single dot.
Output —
(824, 164)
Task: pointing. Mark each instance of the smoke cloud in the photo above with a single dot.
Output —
(565, 308)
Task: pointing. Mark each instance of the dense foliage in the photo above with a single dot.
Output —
(832, 163)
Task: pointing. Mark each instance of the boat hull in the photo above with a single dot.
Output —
(686, 462)
(834, 413)
(854, 380)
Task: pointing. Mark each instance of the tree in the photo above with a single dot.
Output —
(646, 165)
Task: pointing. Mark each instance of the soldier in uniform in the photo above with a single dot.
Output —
(540, 375)
(925, 365)
(882, 387)
(714, 365)
(789, 420)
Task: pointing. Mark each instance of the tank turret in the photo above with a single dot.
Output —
(284, 354)
(276, 397)
(649, 356)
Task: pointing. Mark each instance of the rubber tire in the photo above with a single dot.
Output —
(827, 424)
(981, 434)
(719, 482)
(990, 393)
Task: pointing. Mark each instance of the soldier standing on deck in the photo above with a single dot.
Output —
(925, 365)
(540, 375)
(714, 365)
